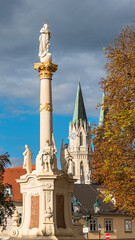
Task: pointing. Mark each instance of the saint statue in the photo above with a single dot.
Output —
(44, 41)
(65, 157)
(47, 157)
(27, 164)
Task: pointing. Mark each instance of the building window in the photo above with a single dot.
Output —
(81, 139)
(81, 172)
(128, 225)
(108, 225)
(81, 168)
(93, 225)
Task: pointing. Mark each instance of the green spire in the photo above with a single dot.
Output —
(79, 109)
(102, 113)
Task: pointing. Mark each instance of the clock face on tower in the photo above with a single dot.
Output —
(73, 136)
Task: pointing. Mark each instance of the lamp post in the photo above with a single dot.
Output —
(97, 211)
(76, 209)
(99, 230)
(76, 206)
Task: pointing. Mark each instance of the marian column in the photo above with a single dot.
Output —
(46, 191)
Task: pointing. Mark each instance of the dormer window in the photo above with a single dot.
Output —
(81, 139)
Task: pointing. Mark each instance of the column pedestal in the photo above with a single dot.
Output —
(47, 210)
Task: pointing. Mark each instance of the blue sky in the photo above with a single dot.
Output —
(80, 31)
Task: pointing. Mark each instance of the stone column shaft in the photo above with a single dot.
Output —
(45, 111)
(45, 70)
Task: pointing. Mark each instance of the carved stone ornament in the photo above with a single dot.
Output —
(15, 218)
(49, 230)
(32, 182)
(48, 185)
(46, 107)
(48, 214)
(13, 232)
(45, 69)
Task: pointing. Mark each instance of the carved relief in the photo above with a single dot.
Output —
(48, 196)
(32, 182)
(34, 221)
(48, 214)
(48, 185)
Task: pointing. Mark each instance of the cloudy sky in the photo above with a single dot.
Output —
(80, 31)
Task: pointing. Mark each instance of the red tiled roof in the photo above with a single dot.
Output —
(10, 176)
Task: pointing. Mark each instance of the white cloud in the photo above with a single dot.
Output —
(76, 46)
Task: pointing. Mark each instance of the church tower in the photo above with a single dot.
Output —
(80, 141)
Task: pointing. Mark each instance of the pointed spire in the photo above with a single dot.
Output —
(102, 113)
(79, 109)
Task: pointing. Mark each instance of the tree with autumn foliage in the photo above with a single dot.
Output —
(6, 205)
(113, 159)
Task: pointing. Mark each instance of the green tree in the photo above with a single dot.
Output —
(6, 205)
(114, 155)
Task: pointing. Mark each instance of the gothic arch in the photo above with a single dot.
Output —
(81, 139)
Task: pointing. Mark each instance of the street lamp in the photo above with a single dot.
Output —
(76, 206)
(99, 230)
(76, 209)
(96, 206)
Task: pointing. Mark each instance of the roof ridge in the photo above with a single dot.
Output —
(15, 168)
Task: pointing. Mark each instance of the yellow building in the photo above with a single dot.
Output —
(119, 225)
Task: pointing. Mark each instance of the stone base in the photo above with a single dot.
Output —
(46, 208)
(48, 57)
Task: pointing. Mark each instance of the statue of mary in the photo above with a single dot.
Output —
(44, 43)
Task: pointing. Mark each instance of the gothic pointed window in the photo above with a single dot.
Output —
(81, 172)
(81, 139)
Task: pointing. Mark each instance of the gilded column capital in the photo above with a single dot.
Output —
(45, 69)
